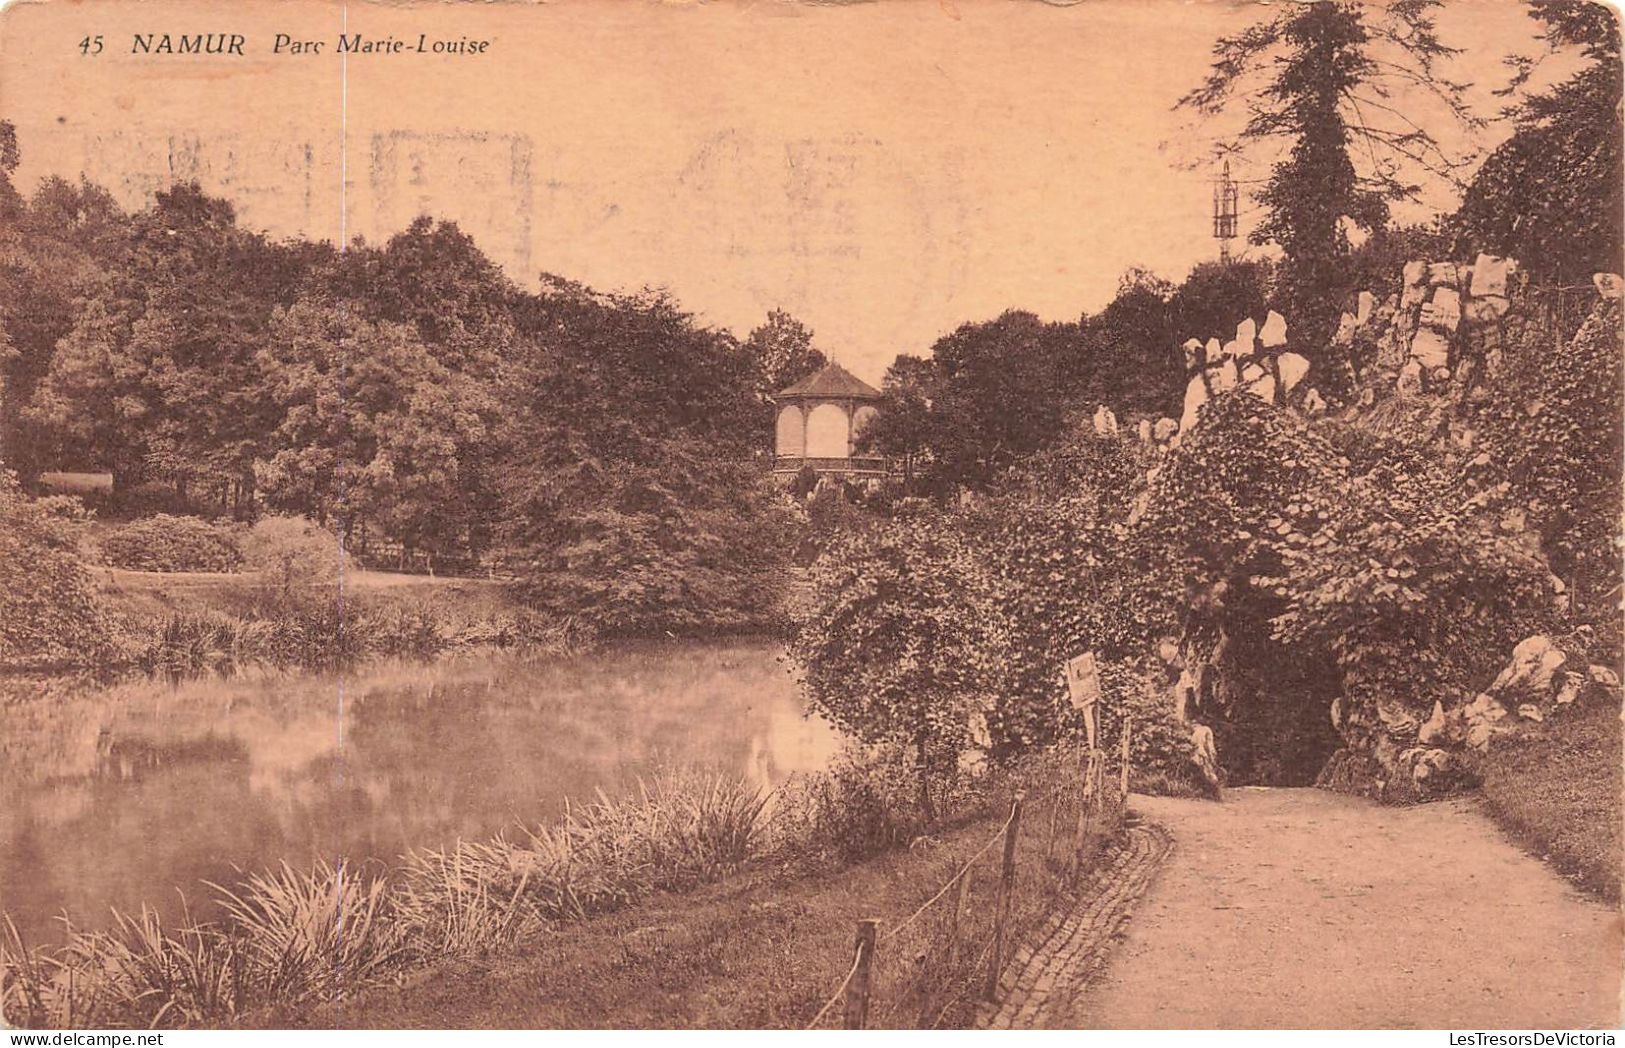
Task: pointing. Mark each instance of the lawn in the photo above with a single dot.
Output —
(1556, 790)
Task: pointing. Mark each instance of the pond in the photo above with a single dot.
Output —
(138, 793)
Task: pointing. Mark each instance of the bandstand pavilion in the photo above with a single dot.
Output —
(818, 423)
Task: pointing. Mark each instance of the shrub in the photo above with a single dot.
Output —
(862, 805)
(292, 554)
(168, 543)
(50, 613)
(69, 508)
(902, 644)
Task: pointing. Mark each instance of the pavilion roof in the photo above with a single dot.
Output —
(832, 381)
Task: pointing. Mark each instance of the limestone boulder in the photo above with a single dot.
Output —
(1489, 276)
(1143, 431)
(1532, 670)
(1443, 310)
(1430, 349)
(1193, 353)
(1293, 369)
(1195, 397)
(1246, 337)
(1105, 421)
(1444, 274)
(1410, 379)
(1224, 377)
(1415, 285)
(1367, 304)
(1482, 719)
(1263, 387)
(1205, 754)
(1164, 429)
(1609, 285)
(1434, 727)
(1273, 334)
(1485, 310)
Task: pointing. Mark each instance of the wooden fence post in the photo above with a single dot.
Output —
(1084, 805)
(961, 900)
(857, 988)
(1123, 771)
(1001, 913)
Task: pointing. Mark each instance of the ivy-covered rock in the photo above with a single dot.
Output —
(1387, 567)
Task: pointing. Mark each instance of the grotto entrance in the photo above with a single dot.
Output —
(1269, 708)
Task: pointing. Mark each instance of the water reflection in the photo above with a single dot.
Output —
(122, 796)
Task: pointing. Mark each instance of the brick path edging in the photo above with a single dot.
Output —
(1039, 984)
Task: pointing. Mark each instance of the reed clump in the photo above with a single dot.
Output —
(295, 937)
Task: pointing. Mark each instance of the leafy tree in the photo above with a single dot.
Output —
(901, 429)
(374, 431)
(58, 249)
(632, 489)
(1550, 195)
(1336, 84)
(782, 347)
(170, 343)
(432, 276)
(1132, 361)
(902, 646)
(1216, 296)
(10, 157)
(998, 395)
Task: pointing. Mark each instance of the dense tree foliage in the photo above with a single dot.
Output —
(903, 644)
(158, 376)
(1551, 432)
(374, 431)
(1069, 579)
(632, 490)
(1382, 553)
(406, 394)
(992, 393)
(1550, 195)
(783, 350)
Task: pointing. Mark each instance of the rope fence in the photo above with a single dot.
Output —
(937, 965)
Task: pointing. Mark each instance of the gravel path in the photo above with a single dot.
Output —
(1307, 909)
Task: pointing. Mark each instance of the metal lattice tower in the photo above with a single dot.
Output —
(1225, 199)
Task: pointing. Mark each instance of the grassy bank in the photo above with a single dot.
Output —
(1555, 788)
(770, 946)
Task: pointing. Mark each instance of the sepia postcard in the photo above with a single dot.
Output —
(811, 515)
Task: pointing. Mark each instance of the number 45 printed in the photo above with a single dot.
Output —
(91, 45)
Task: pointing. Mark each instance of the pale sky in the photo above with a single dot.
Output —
(885, 171)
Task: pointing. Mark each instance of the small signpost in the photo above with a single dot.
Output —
(1083, 684)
